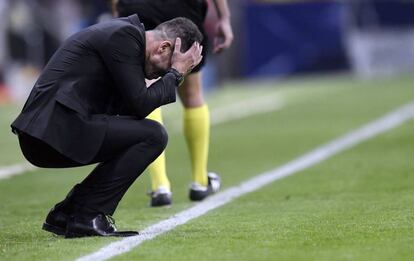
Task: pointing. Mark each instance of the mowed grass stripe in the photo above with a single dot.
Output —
(372, 129)
(354, 206)
(315, 112)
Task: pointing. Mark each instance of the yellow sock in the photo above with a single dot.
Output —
(197, 135)
(157, 168)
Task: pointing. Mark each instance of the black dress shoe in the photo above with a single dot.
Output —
(56, 222)
(100, 225)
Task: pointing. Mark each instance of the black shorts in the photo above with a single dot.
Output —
(153, 12)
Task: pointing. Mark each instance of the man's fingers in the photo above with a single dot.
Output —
(222, 42)
(178, 44)
(192, 57)
(200, 51)
(197, 47)
(188, 60)
(199, 59)
(220, 47)
(193, 47)
(197, 53)
(227, 41)
(217, 45)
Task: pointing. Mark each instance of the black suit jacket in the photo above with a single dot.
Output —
(96, 73)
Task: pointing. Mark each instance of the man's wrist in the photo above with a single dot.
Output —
(179, 77)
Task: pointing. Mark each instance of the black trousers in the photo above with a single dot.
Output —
(129, 147)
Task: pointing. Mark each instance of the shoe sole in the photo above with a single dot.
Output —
(76, 235)
(161, 206)
(53, 229)
(161, 200)
(199, 196)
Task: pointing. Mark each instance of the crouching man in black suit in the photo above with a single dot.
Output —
(89, 106)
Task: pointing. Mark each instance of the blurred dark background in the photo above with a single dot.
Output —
(273, 39)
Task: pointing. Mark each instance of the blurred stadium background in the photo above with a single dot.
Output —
(273, 39)
(317, 68)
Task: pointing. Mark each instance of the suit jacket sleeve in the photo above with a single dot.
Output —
(124, 56)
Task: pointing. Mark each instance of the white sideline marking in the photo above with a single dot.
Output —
(14, 170)
(381, 125)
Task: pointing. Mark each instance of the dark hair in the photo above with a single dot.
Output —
(183, 28)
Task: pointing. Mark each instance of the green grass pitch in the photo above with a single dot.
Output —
(357, 205)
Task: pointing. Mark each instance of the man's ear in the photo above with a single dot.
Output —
(165, 46)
